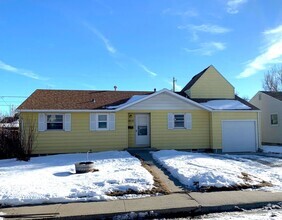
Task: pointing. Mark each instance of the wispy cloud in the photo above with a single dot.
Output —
(208, 48)
(145, 68)
(206, 28)
(183, 13)
(27, 73)
(271, 54)
(110, 48)
(177, 87)
(233, 6)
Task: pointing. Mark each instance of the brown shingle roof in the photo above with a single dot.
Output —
(76, 99)
(276, 95)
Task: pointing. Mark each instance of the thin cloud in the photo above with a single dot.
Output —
(26, 73)
(206, 28)
(208, 48)
(233, 6)
(271, 54)
(145, 68)
(177, 87)
(173, 12)
(110, 48)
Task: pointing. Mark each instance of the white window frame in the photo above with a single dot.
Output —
(55, 122)
(174, 120)
(271, 119)
(97, 122)
(94, 123)
(187, 121)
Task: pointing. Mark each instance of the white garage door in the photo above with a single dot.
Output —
(239, 136)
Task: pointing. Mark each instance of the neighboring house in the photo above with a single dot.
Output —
(270, 104)
(205, 115)
(11, 123)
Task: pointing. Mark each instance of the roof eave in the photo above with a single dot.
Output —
(169, 92)
(64, 110)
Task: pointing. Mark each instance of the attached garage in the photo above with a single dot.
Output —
(239, 136)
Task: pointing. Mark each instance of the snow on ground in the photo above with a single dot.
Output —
(272, 149)
(267, 213)
(258, 214)
(52, 179)
(199, 170)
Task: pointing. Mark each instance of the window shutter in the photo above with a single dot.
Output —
(112, 121)
(170, 119)
(93, 122)
(67, 122)
(188, 121)
(42, 124)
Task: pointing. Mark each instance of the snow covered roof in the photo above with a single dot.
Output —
(129, 101)
(225, 105)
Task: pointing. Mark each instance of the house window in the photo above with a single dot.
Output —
(55, 122)
(102, 122)
(274, 119)
(179, 121)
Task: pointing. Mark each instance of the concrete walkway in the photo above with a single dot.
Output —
(171, 183)
(178, 201)
(192, 203)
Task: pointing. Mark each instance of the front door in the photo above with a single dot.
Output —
(142, 130)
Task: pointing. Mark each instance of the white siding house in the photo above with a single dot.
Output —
(270, 104)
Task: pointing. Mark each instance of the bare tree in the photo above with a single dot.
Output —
(273, 79)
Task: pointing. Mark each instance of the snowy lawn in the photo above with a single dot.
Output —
(256, 214)
(272, 149)
(52, 179)
(200, 171)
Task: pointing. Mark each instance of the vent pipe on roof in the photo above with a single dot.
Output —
(115, 88)
(173, 84)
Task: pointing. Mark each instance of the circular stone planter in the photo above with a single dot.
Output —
(84, 167)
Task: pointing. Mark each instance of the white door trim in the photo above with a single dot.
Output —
(142, 130)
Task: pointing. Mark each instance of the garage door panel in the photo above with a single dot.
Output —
(238, 136)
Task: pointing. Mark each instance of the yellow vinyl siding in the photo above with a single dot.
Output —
(131, 131)
(163, 138)
(212, 85)
(216, 124)
(80, 138)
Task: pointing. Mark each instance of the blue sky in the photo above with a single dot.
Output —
(134, 45)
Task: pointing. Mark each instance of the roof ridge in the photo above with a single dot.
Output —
(194, 79)
(86, 90)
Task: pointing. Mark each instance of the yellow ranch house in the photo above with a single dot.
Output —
(205, 115)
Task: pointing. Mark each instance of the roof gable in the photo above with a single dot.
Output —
(193, 80)
(209, 84)
(164, 100)
(276, 95)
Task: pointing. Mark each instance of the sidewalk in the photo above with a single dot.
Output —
(178, 201)
(196, 203)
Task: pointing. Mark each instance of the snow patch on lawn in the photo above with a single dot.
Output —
(1, 215)
(52, 179)
(258, 214)
(198, 170)
(272, 149)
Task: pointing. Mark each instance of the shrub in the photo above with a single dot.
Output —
(17, 143)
